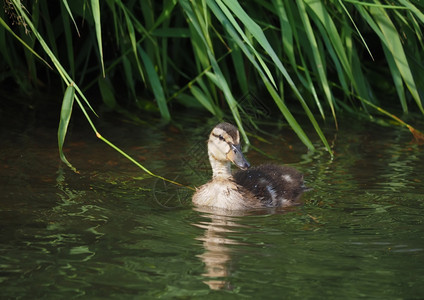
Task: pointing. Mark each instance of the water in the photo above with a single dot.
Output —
(113, 232)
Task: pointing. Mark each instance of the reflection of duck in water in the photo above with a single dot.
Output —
(262, 186)
(217, 255)
(219, 242)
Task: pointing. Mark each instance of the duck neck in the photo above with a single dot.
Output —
(220, 169)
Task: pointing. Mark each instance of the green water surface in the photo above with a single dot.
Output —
(112, 232)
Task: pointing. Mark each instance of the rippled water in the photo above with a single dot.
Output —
(111, 231)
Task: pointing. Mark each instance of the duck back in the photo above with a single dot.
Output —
(272, 185)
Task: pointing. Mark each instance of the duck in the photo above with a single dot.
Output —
(264, 186)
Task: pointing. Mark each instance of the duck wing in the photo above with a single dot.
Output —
(272, 185)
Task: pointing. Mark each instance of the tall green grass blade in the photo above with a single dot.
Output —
(341, 71)
(416, 11)
(200, 43)
(240, 41)
(5, 26)
(418, 30)
(220, 79)
(107, 92)
(168, 7)
(117, 25)
(309, 84)
(48, 24)
(156, 85)
(203, 84)
(203, 99)
(397, 78)
(379, 5)
(131, 33)
(286, 31)
(332, 40)
(315, 53)
(65, 117)
(289, 117)
(30, 59)
(290, 39)
(238, 62)
(328, 25)
(202, 61)
(360, 80)
(319, 50)
(251, 26)
(62, 72)
(68, 39)
(65, 3)
(164, 49)
(394, 45)
(257, 33)
(356, 28)
(129, 75)
(69, 97)
(150, 44)
(95, 6)
(241, 44)
(4, 50)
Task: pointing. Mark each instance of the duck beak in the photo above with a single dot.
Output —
(236, 157)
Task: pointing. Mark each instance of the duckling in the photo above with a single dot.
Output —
(263, 186)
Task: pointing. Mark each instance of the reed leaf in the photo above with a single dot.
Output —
(390, 38)
(68, 39)
(419, 13)
(315, 53)
(50, 34)
(29, 48)
(129, 75)
(95, 6)
(156, 85)
(168, 7)
(290, 39)
(218, 77)
(262, 40)
(251, 26)
(238, 62)
(312, 53)
(62, 72)
(65, 117)
(68, 10)
(108, 95)
(132, 37)
(70, 96)
(332, 40)
(397, 78)
(203, 99)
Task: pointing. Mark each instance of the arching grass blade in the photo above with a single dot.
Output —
(65, 117)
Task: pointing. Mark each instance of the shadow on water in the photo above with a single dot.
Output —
(111, 231)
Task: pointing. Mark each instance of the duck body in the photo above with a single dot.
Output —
(224, 194)
(263, 186)
(272, 185)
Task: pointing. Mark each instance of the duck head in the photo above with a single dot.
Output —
(224, 145)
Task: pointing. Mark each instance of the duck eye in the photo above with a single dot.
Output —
(221, 137)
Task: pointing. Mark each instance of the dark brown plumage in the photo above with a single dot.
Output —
(230, 129)
(272, 185)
